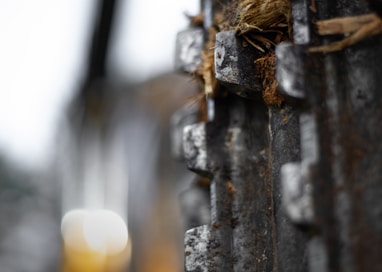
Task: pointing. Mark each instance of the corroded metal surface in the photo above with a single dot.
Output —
(297, 193)
(295, 188)
(236, 144)
(196, 251)
(187, 115)
(343, 105)
(290, 243)
(195, 148)
(290, 72)
(189, 46)
(234, 65)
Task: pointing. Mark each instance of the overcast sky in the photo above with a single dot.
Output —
(42, 51)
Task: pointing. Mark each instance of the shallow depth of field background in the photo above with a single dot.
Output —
(43, 52)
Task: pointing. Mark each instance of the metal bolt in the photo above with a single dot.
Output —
(234, 65)
(189, 46)
(195, 148)
(297, 193)
(196, 249)
(289, 71)
(186, 115)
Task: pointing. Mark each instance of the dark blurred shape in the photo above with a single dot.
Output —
(100, 42)
(195, 204)
(376, 6)
(91, 101)
(155, 178)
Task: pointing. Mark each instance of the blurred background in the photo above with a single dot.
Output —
(87, 182)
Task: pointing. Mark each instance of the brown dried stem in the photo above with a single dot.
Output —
(360, 28)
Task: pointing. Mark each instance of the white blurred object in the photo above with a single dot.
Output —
(103, 231)
(94, 180)
(41, 52)
(145, 36)
(43, 49)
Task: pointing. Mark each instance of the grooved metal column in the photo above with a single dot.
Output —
(342, 110)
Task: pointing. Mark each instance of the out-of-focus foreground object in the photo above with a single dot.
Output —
(94, 177)
(120, 209)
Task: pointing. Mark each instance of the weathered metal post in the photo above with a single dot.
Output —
(341, 147)
(242, 149)
(296, 187)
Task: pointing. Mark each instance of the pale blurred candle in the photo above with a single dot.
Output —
(94, 241)
(94, 192)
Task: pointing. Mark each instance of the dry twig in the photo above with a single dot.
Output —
(359, 27)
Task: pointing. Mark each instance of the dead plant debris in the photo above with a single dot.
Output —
(208, 67)
(262, 24)
(359, 27)
(231, 188)
(197, 20)
(266, 66)
(205, 73)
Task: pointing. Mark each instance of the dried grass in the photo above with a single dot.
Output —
(266, 66)
(206, 70)
(262, 15)
(210, 81)
(261, 23)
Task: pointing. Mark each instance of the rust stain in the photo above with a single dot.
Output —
(231, 188)
(266, 68)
